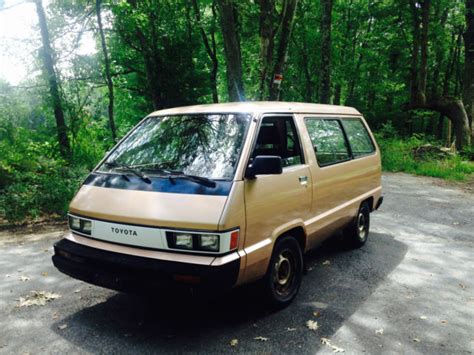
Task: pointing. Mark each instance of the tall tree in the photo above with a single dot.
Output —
(235, 84)
(451, 107)
(108, 75)
(211, 48)
(325, 72)
(286, 28)
(468, 95)
(267, 32)
(48, 62)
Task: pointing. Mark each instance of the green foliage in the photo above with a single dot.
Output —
(397, 156)
(158, 59)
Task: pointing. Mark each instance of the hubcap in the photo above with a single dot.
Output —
(284, 272)
(362, 226)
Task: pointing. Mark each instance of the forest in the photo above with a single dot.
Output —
(407, 65)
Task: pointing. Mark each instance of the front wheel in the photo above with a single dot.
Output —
(358, 232)
(283, 278)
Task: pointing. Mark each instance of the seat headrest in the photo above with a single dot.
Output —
(268, 135)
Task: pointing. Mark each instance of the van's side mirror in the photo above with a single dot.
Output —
(264, 165)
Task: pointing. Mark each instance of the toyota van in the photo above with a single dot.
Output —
(216, 196)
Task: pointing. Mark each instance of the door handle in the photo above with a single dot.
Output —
(303, 180)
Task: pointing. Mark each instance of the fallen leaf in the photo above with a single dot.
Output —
(290, 329)
(37, 298)
(55, 316)
(24, 278)
(444, 321)
(317, 314)
(462, 286)
(327, 262)
(416, 340)
(44, 274)
(423, 317)
(234, 342)
(335, 349)
(260, 338)
(62, 326)
(379, 331)
(312, 325)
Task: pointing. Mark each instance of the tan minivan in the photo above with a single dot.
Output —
(215, 196)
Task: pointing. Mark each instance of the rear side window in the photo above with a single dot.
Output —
(358, 137)
(328, 140)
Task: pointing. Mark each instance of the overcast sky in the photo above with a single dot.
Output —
(19, 37)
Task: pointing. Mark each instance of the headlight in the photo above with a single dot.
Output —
(193, 241)
(223, 242)
(80, 225)
(183, 241)
(208, 242)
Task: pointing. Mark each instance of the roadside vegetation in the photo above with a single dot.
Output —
(407, 66)
(420, 155)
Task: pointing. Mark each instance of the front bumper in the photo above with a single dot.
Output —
(135, 274)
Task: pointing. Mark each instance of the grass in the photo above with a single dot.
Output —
(397, 156)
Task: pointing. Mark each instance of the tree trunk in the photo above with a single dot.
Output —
(267, 36)
(425, 18)
(108, 76)
(235, 85)
(355, 74)
(451, 107)
(48, 62)
(210, 49)
(414, 78)
(468, 95)
(325, 73)
(289, 11)
(337, 94)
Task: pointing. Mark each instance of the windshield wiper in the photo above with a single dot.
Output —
(173, 174)
(116, 165)
(198, 179)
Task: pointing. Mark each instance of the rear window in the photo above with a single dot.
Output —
(358, 137)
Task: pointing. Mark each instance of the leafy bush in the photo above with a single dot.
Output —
(397, 156)
(34, 182)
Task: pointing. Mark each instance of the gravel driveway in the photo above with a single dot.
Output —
(410, 289)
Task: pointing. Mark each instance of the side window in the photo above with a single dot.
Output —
(278, 136)
(358, 137)
(328, 140)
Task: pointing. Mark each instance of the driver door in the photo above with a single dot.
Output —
(273, 201)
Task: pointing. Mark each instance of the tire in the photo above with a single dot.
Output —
(285, 271)
(357, 233)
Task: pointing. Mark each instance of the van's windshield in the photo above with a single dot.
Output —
(202, 145)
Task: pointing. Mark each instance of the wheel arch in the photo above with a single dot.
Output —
(296, 229)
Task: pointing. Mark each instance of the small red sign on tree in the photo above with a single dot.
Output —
(277, 78)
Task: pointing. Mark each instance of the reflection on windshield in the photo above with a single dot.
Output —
(202, 145)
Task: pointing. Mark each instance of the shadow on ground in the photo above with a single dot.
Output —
(176, 323)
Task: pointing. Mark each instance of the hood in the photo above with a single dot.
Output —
(179, 204)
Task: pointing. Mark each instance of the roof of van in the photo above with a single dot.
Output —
(260, 107)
